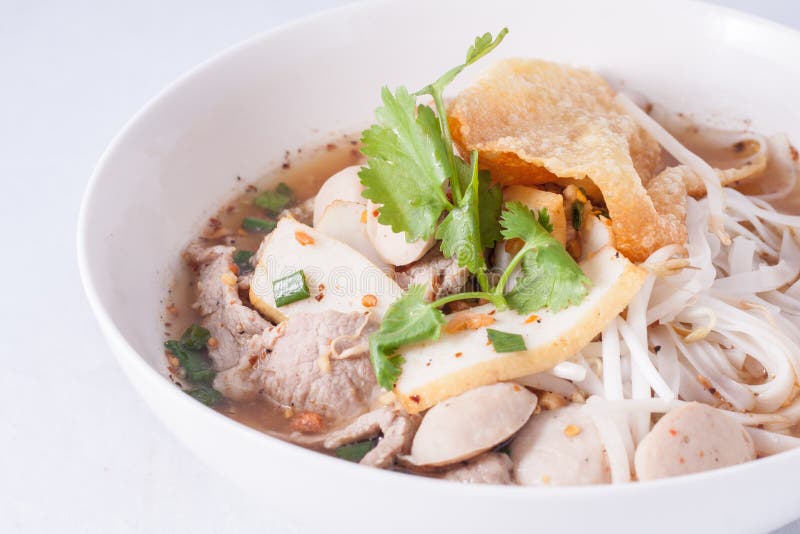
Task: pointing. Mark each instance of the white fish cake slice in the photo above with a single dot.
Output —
(338, 277)
(436, 370)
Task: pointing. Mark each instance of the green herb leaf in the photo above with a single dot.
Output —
(577, 214)
(195, 337)
(408, 320)
(460, 231)
(482, 45)
(505, 341)
(550, 278)
(242, 260)
(355, 452)
(543, 217)
(254, 224)
(195, 362)
(205, 394)
(404, 170)
(276, 200)
(290, 289)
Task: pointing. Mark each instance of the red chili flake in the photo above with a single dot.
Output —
(253, 359)
(459, 354)
(330, 147)
(414, 398)
(303, 238)
(673, 432)
(682, 460)
(251, 188)
(375, 213)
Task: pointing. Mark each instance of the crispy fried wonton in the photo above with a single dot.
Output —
(533, 122)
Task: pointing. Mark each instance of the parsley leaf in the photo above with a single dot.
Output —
(408, 320)
(405, 169)
(550, 277)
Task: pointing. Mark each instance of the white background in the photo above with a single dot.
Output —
(78, 451)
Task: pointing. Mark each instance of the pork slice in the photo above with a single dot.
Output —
(396, 427)
(230, 322)
(293, 365)
(488, 468)
(441, 276)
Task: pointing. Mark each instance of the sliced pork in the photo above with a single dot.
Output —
(441, 276)
(312, 362)
(230, 322)
(395, 427)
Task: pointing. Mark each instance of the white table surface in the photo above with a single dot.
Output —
(79, 452)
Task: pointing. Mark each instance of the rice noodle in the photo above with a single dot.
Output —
(717, 321)
(772, 442)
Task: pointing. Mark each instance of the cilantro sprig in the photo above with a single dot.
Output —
(549, 278)
(411, 167)
(411, 145)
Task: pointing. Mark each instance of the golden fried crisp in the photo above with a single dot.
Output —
(533, 121)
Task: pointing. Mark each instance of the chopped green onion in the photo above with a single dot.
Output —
(195, 337)
(275, 201)
(196, 364)
(577, 214)
(290, 289)
(505, 342)
(355, 452)
(205, 394)
(242, 260)
(253, 224)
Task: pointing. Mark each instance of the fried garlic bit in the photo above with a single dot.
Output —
(534, 122)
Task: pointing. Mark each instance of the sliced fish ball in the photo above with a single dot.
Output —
(464, 426)
(560, 448)
(691, 439)
(344, 185)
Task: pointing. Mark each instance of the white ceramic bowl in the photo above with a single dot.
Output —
(236, 114)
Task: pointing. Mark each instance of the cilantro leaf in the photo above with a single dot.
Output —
(405, 169)
(490, 204)
(408, 320)
(550, 278)
(490, 207)
(460, 231)
(205, 394)
(519, 222)
(544, 219)
(482, 45)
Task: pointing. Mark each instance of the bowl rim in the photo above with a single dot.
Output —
(115, 337)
